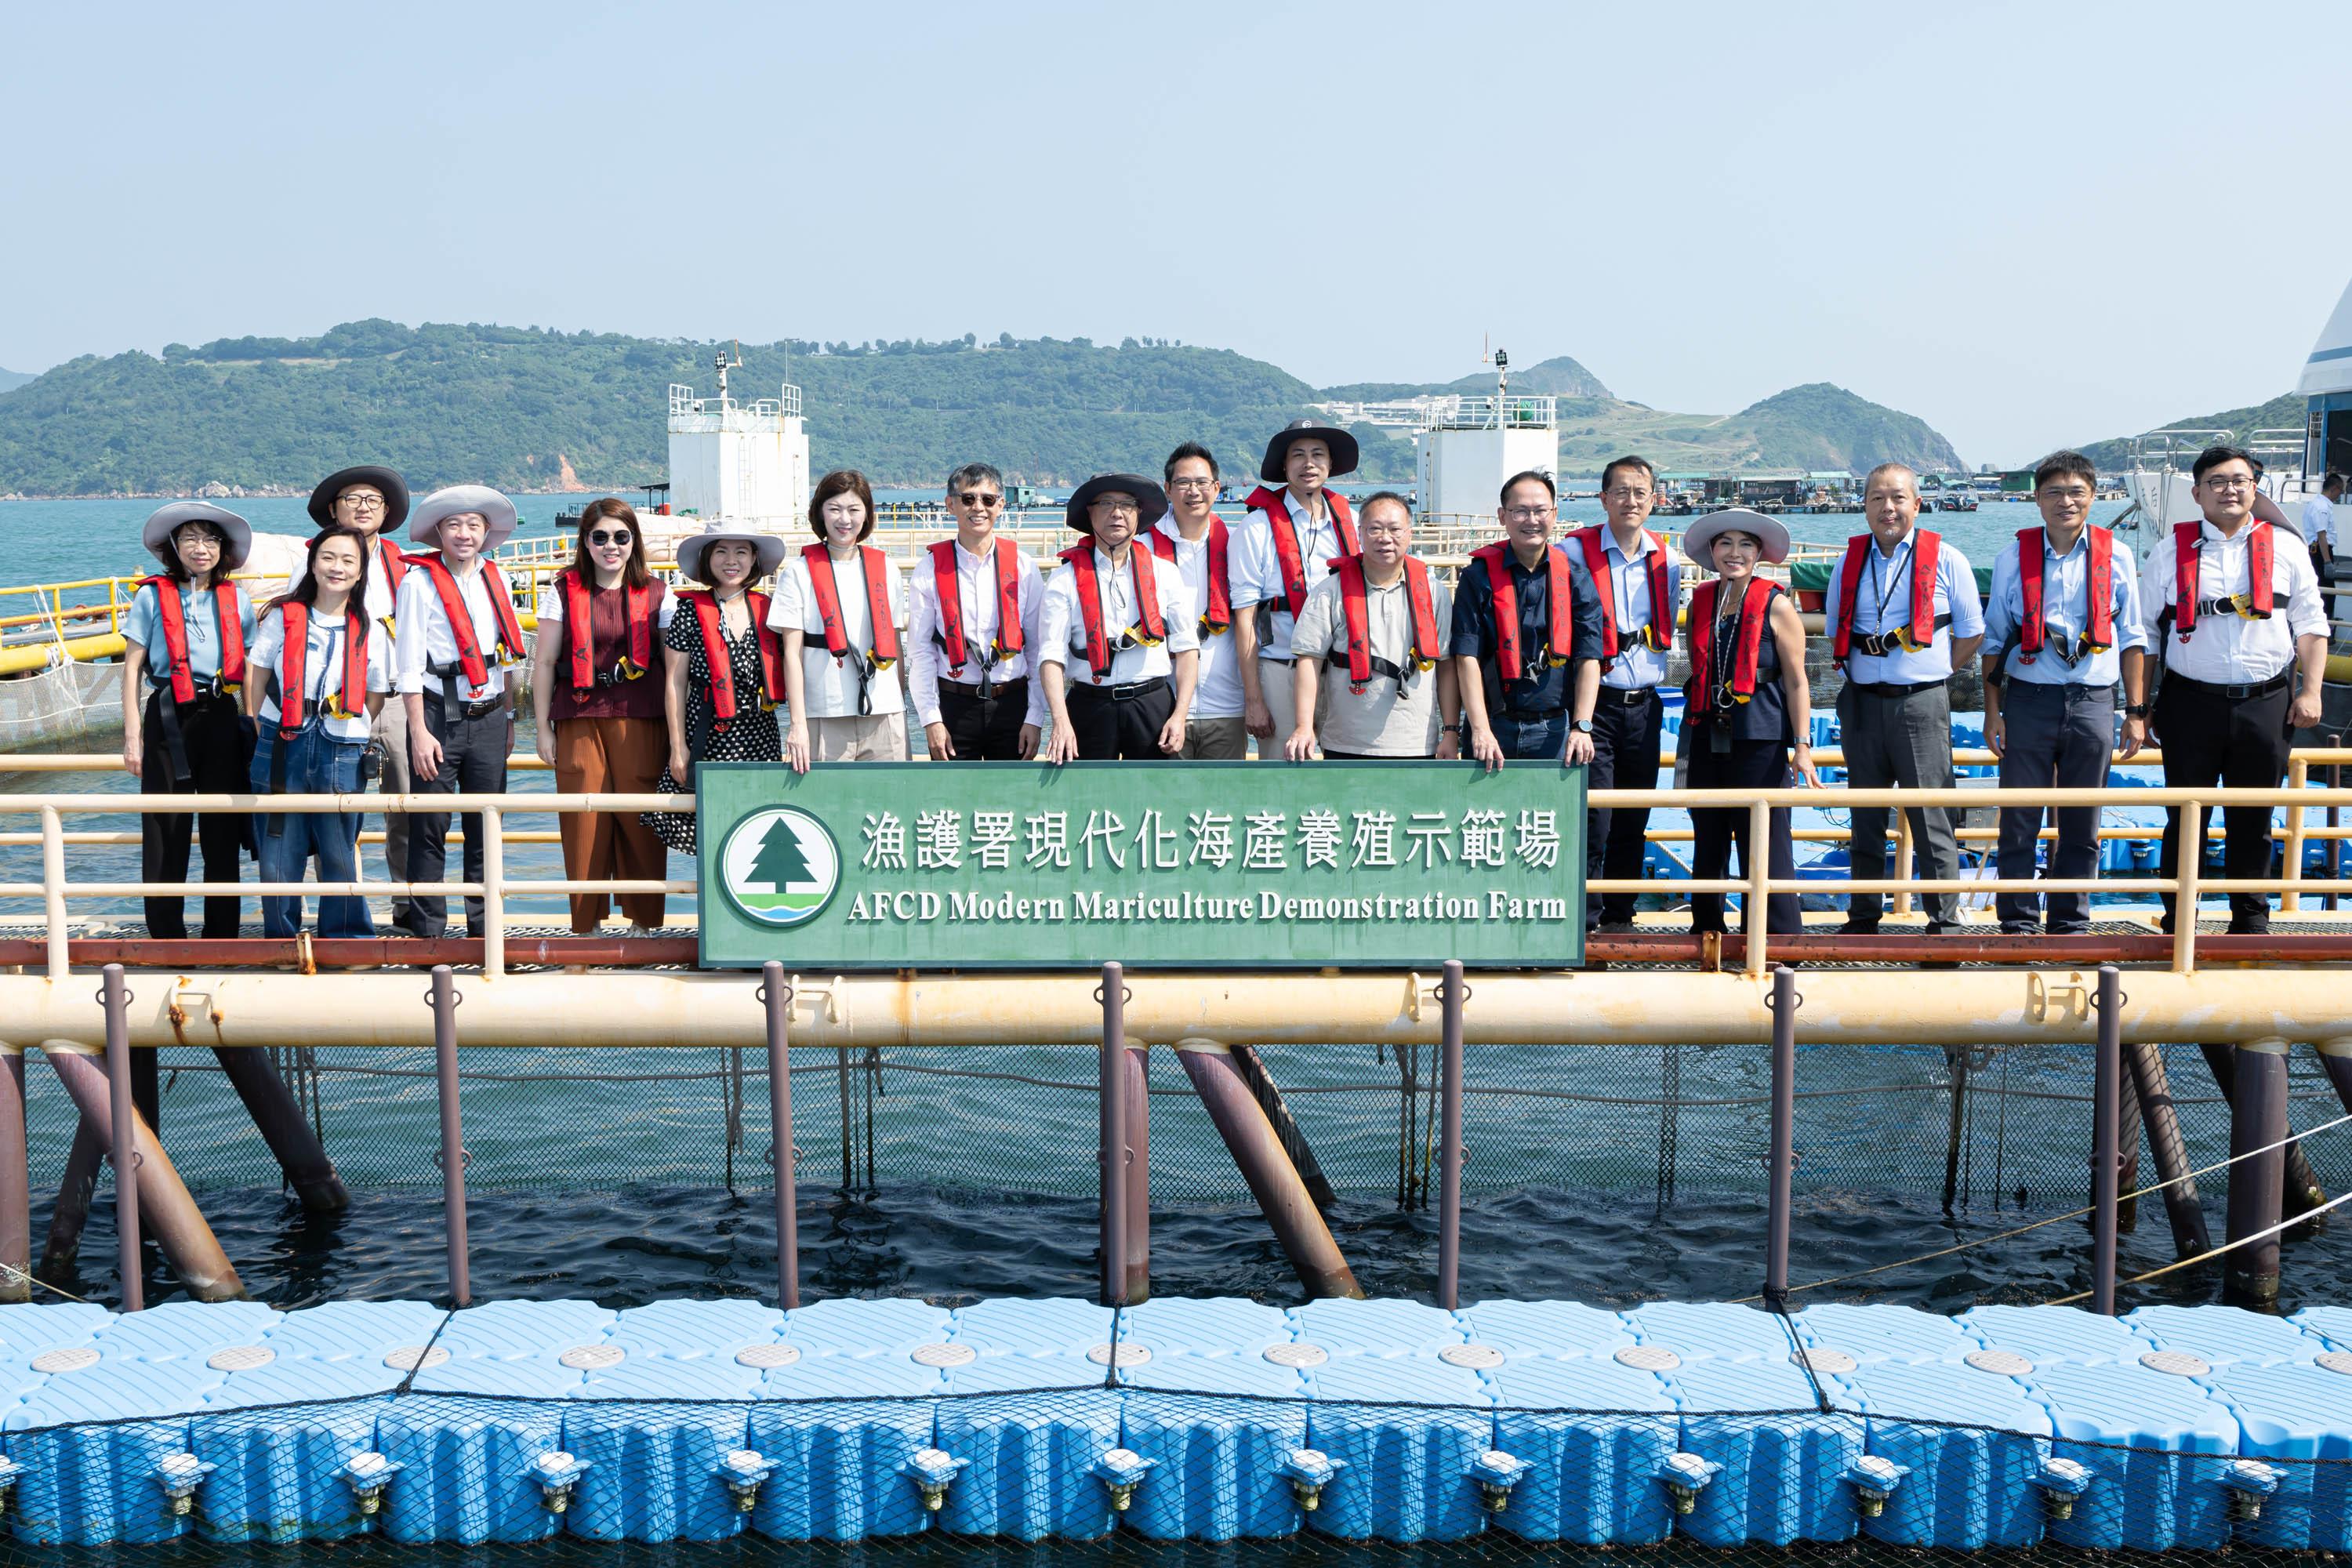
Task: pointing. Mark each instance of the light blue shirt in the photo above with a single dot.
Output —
(1885, 606)
(145, 626)
(2065, 613)
(1637, 666)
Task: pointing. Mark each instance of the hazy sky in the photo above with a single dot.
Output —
(2026, 223)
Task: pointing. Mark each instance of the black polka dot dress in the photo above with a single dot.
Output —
(752, 737)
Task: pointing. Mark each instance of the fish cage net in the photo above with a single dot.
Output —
(1627, 1149)
(1051, 1458)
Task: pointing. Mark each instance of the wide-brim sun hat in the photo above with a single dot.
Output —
(2270, 511)
(1698, 539)
(425, 526)
(1150, 501)
(768, 548)
(235, 532)
(1344, 452)
(388, 480)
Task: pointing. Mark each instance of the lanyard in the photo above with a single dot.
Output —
(1885, 585)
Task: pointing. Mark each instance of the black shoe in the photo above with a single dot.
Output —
(1941, 927)
(1857, 928)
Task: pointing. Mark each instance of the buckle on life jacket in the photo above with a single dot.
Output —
(1652, 641)
(1137, 638)
(1903, 637)
(2242, 605)
(335, 707)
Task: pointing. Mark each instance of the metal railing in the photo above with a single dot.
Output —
(1755, 887)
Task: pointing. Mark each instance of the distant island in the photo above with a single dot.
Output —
(528, 409)
(12, 379)
(2284, 412)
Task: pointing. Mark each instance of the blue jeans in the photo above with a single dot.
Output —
(316, 763)
(1538, 739)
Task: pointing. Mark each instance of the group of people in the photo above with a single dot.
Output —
(1310, 628)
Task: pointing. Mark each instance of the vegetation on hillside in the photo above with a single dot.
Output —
(1561, 377)
(2284, 412)
(517, 407)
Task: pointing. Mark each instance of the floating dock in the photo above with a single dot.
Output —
(2170, 1428)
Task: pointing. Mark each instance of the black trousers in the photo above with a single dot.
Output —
(215, 742)
(985, 730)
(1624, 756)
(473, 762)
(2242, 743)
(1714, 831)
(2060, 737)
(1109, 727)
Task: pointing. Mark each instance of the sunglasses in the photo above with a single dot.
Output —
(980, 498)
(604, 536)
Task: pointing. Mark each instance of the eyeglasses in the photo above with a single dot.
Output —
(1625, 492)
(609, 536)
(2228, 481)
(1191, 484)
(2076, 494)
(1114, 507)
(1527, 513)
(980, 499)
(360, 503)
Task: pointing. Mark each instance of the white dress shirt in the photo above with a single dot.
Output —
(1062, 630)
(1256, 567)
(976, 599)
(2225, 649)
(1883, 606)
(1218, 692)
(322, 668)
(422, 638)
(2065, 612)
(830, 684)
(2318, 519)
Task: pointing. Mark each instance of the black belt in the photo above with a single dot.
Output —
(1882, 688)
(973, 654)
(1629, 696)
(1389, 667)
(453, 709)
(2238, 693)
(986, 691)
(1886, 645)
(1131, 692)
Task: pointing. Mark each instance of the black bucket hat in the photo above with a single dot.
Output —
(394, 488)
(1150, 498)
(1343, 449)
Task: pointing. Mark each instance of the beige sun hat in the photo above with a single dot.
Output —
(1698, 539)
(770, 548)
(424, 523)
(237, 534)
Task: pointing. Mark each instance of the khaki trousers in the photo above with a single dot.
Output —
(1274, 679)
(876, 738)
(611, 756)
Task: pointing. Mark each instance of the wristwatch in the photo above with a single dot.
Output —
(1581, 726)
(2135, 710)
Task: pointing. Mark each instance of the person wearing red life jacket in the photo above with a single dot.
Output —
(374, 499)
(1375, 629)
(972, 633)
(1280, 553)
(317, 677)
(2232, 606)
(1527, 636)
(1117, 646)
(598, 701)
(1195, 542)
(1748, 711)
(183, 657)
(455, 639)
(1897, 633)
(839, 605)
(722, 666)
(1640, 587)
(2062, 628)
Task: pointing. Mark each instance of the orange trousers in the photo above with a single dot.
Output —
(611, 756)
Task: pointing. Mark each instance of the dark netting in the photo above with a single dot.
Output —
(1602, 1172)
(1061, 1461)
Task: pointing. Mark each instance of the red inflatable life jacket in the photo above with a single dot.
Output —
(1150, 628)
(1427, 649)
(1926, 546)
(877, 603)
(1560, 638)
(579, 638)
(723, 707)
(461, 624)
(1008, 603)
(2255, 604)
(1217, 614)
(2102, 628)
(169, 613)
(1660, 632)
(1285, 537)
(293, 685)
(1754, 615)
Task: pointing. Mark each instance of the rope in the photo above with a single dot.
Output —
(13, 1272)
(2208, 1256)
(2078, 1214)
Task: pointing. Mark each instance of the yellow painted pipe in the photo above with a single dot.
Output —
(25, 659)
(1578, 1008)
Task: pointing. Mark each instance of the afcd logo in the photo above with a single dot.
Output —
(780, 866)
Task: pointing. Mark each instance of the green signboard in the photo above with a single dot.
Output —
(1224, 865)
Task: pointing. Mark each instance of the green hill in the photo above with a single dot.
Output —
(527, 409)
(12, 379)
(1561, 377)
(2284, 412)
